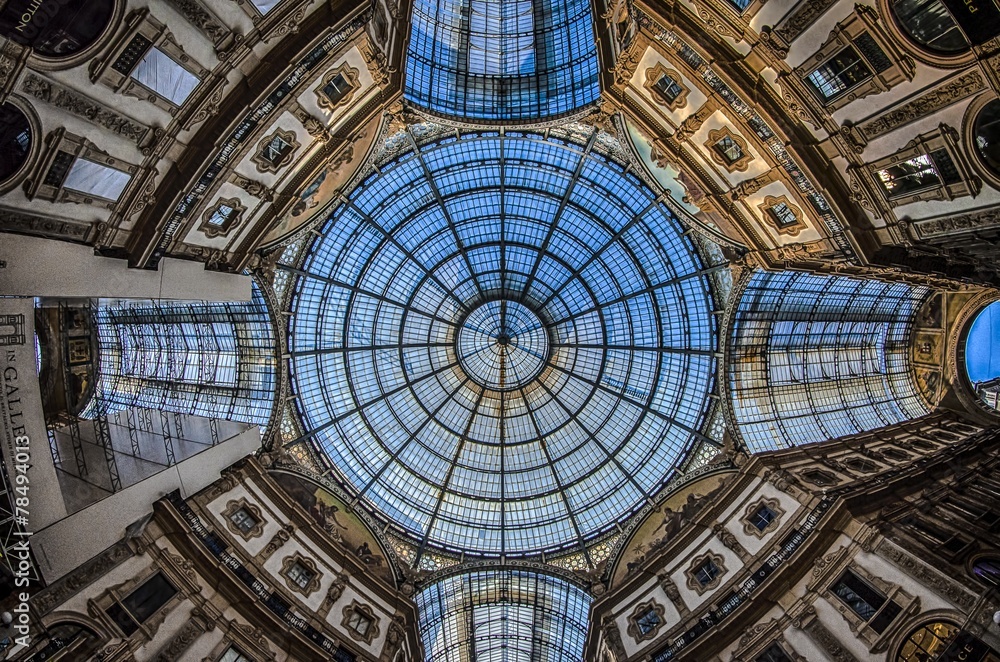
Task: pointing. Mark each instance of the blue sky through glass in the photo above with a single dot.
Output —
(981, 359)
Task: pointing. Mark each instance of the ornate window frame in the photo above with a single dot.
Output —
(864, 20)
(142, 33)
(641, 610)
(697, 562)
(234, 506)
(62, 149)
(857, 463)
(943, 138)
(916, 50)
(40, 62)
(875, 641)
(740, 164)
(266, 165)
(289, 562)
(365, 611)
(212, 231)
(97, 607)
(350, 74)
(831, 478)
(750, 529)
(792, 229)
(653, 74)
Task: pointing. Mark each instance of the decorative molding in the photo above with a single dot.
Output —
(84, 574)
(750, 528)
(16, 221)
(350, 75)
(336, 589)
(690, 125)
(952, 91)
(197, 15)
(641, 609)
(313, 125)
(978, 219)
(192, 629)
(940, 584)
(253, 187)
(85, 107)
(829, 643)
(283, 535)
(797, 22)
(727, 538)
(670, 588)
(235, 506)
(394, 638)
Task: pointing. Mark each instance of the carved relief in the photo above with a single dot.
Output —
(829, 643)
(283, 535)
(670, 588)
(85, 574)
(192, 629)
(730, 541)
(336, 590)
(82, 106)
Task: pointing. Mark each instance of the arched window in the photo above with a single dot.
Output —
(927, 642)
(987, 570)
(986, 135)
(930, 25)
(15, 140)
(55, 29)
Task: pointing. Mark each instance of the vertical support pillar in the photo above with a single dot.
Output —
(103, 433)
(213, 426)
(178, 425)
(53, 447)
(168, 443)
(74, 435)
(133, 432)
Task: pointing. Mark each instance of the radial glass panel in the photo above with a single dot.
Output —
(503, 344)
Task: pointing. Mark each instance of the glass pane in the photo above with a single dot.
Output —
(150, 596)
(909, 176)
(96, 179)
(162, 75)
(838, 74)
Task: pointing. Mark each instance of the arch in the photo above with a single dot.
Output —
(955, 361)
(927, 32)
(981, 122)
(61, 34)
(929, 630)
(20, 142)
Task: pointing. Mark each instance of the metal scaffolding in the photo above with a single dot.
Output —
(206, 359)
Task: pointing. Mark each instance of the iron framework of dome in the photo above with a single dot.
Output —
(504, 344)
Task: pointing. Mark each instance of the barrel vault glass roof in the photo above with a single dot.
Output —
(504, 344)
(501, 60)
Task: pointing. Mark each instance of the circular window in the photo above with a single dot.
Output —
(504, 344)
(15, 140)
(986, 135)
(982, 364)
(987, 570)
(927, 642)
(930, 25)
(55, 28)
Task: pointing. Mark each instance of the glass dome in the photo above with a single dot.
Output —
(504, 344)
